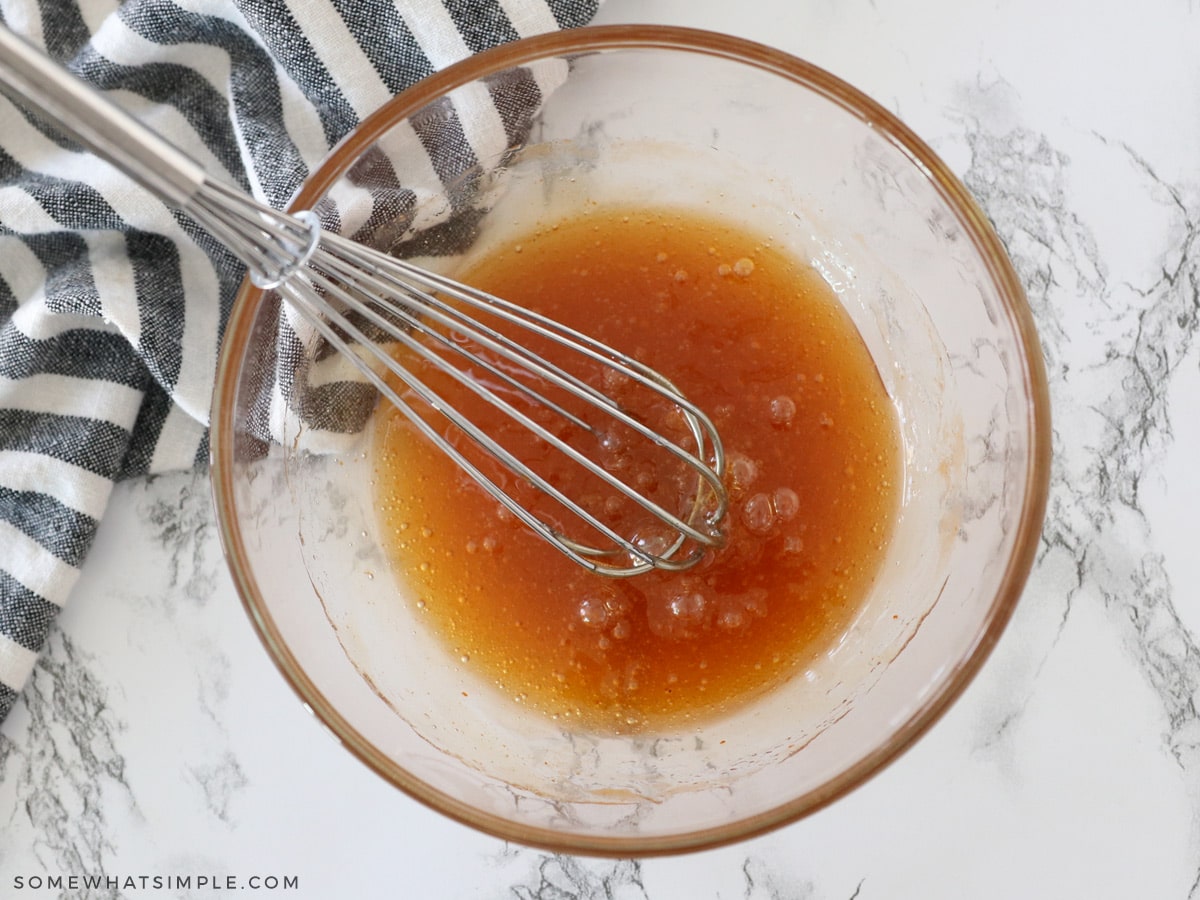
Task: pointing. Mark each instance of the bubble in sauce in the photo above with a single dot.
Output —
(689, 606)
(758, 514)
(782, 410)
(656, 539)
(786, 503)
(592, 612)
(743, 471)
(731, 619)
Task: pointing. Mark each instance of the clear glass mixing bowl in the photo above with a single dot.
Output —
(669, 117)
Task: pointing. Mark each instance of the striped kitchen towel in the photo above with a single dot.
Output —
(111, 304)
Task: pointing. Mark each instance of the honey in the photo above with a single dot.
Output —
(758, 340)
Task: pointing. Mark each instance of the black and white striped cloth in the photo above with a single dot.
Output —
(112, 305)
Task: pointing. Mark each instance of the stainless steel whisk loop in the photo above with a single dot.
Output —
(336, 284)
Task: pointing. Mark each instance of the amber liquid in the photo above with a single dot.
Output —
(760, 342)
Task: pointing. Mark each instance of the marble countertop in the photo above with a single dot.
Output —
(157, 738)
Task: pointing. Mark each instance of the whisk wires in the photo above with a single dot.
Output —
(368, 305)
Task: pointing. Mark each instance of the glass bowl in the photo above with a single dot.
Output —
(681, 118)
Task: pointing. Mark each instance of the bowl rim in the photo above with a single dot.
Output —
(986, 242)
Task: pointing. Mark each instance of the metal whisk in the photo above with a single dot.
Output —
(479, 342)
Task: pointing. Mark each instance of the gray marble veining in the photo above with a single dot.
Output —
(1113, 343)
(64, 769)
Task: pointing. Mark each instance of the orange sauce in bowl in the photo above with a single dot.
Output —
(759, 341)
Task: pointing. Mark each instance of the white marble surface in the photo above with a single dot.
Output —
(156, 738)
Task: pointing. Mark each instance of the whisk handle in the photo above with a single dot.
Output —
(32, 79)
